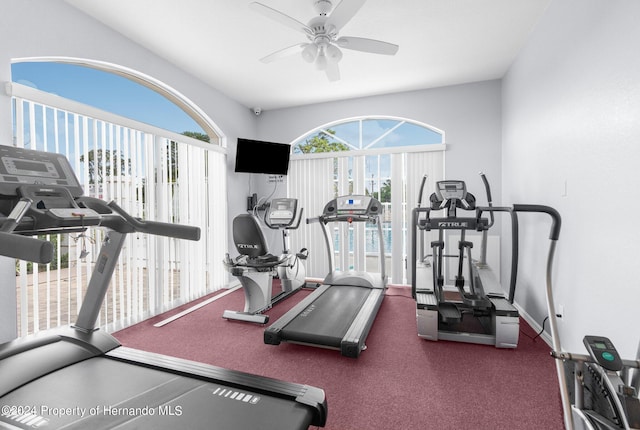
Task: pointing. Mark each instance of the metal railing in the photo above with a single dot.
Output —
(153, 174)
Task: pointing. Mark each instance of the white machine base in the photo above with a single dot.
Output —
(504, 331)
(248, 317)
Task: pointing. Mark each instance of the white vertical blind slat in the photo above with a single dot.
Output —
(145, 280)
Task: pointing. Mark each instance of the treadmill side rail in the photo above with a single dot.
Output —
(22, 359)
(354, 340)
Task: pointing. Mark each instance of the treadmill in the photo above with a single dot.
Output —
(80, 377)
(339, 313)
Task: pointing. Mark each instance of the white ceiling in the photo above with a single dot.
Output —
(442, 42)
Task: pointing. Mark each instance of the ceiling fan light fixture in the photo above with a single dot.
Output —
(324, 47)
(310, 52)
(321, 61)
(334, 54)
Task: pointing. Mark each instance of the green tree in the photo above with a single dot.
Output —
(113, 163)
(197, 135)
(322, 142)
(385, 192)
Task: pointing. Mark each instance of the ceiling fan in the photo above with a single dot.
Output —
(323, 47)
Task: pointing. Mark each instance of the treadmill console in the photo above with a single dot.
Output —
(27, 167)
(47, 183)
(359, 206)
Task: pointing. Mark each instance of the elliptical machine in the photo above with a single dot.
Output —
(255, 267)
(478, 312)
(599, 391)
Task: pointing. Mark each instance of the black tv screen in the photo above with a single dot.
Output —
(256, 156)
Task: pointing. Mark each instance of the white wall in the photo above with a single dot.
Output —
(469, 114)
(571, 114)
(52, 28)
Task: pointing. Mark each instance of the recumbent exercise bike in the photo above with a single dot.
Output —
(255, 267)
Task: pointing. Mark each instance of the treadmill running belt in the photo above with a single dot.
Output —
(327, 319)
(101, 393)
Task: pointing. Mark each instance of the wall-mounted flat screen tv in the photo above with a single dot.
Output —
(256, 156)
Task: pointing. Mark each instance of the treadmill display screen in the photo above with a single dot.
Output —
(28, 165)
(20, 166)
(353, 204)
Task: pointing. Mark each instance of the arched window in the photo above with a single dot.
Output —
(368, 133)
(384, 157)
(152, 172)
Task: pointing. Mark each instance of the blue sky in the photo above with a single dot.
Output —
(105, 91)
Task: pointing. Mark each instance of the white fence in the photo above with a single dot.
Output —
(153, 174)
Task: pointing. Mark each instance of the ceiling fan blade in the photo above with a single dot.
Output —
(333, 71)
(367, 45)
(286, 52)
(280, 17)
(344, 12)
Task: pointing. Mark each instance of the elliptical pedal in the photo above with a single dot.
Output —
(476, 301)
(449, 313)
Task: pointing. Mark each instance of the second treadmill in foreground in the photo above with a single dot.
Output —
(340, 313)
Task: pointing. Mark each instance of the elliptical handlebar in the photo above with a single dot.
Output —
(553, 322)
(584, 358)
(555, 215)
(422, 184)
(489, 198)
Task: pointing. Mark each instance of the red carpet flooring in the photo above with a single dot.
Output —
(399, 382)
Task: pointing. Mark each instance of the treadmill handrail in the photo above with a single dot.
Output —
(158, 228)
(348, 217)
(21, 247)
(25, 248)
(122, 222)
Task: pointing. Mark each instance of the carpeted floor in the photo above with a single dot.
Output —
(399, 382)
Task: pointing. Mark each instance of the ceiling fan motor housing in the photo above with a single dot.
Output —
(320, 27)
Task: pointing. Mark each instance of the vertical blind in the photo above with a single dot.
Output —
(153, 174)
(316, 179)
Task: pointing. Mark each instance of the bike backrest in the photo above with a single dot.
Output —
(248, 236)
